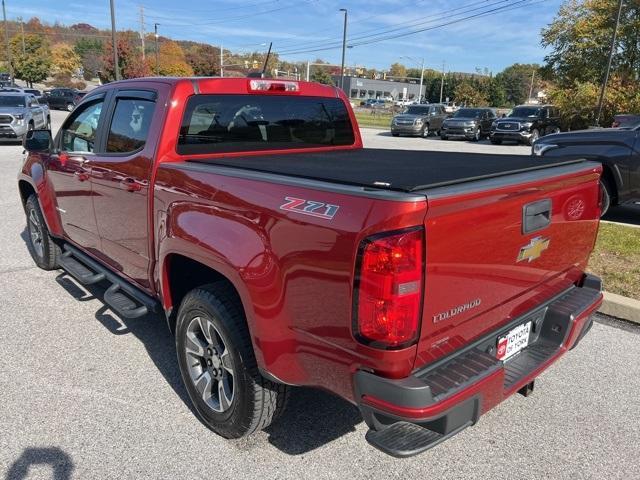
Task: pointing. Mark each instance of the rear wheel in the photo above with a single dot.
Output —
(41, 247)
(218, 365)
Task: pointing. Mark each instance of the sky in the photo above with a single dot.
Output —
(304, 30)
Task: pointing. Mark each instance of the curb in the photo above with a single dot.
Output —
(621, 307)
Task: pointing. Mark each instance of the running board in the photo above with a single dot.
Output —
(123, 298)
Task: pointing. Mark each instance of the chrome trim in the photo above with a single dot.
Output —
(518, 124)
(327, 186)
(476, 186)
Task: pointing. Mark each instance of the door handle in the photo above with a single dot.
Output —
(131, 185)
(536, 215)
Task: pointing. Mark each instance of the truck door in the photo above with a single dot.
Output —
(68, 171)
(120, 178)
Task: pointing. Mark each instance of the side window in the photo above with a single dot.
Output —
(129, 125)
(79, 132)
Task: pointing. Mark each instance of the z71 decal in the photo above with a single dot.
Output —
(309, 207)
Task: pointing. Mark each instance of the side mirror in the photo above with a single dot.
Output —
(38, 141)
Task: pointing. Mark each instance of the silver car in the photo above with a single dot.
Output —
(19, 113)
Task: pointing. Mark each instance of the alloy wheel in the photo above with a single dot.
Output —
(209, 364)
(35, 232)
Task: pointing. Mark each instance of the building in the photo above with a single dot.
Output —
(364, 88)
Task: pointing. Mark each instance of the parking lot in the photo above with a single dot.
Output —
(86, 394)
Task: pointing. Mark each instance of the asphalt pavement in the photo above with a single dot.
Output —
(85, 394)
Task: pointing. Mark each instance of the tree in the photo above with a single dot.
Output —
(90, 52)
(320, 75)
(65, 60)
(515, 81)
(467, 93)
(129, 60)
(398, 70)
(34, 63)
(204, 60)
(580, 37)
(172, 61)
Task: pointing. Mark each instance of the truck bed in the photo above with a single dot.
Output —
(400, 170)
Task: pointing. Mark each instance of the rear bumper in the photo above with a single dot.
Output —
(407, 416)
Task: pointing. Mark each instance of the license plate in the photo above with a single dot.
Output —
(514, 341)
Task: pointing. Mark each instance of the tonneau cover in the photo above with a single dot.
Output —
(402, 170)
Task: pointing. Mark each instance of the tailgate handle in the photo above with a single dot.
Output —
(536, 215)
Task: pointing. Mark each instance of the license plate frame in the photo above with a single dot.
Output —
(514, 341)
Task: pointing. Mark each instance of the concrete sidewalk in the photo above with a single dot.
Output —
(618, 306)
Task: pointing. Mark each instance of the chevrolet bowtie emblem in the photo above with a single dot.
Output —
(534, 249)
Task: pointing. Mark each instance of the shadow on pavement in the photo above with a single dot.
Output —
(629, 214)
(311, 419)
(59, 461)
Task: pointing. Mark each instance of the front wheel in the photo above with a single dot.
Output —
(218, 365)
(496, 142)
(535, 134)
(424, 133)
(41, 247)
(443, 137)
(70, 107)
(477, 135)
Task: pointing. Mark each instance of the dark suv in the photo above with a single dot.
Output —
(526, 123)
(469, 123)
(63, 98)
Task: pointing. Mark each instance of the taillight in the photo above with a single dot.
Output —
(388, 289)
(274, 86)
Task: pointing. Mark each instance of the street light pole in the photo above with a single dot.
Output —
(442, 83)
(155, 34)
(344, 47)
(116, 69)
(606, 77)
(6, 41)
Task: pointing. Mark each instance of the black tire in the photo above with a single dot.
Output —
(607, 194)
(395, 134)
(443, 137)
(477, 135)
(496, 142)
(48, 125)
(255, 401)
(43, 250)
(424, 133)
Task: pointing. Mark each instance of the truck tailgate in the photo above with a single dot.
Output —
(491, 256)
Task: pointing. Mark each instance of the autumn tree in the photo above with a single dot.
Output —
(65, 61)
(34, 62)
(398, 70)
(204, 60)
(172, 61)
(129, 60)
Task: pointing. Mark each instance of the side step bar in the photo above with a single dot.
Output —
(122, 297)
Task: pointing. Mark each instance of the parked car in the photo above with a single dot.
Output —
(617, 149)
(626, 120)
(35, 92)
(419, 120)
(403, 103)
(332, 266)
(63, 98)
(468, 123)
(525, 124)
(374, 103)
(20, 113)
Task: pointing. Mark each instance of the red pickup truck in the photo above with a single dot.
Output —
(423, 287)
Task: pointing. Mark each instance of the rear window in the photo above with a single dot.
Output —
(241, 123)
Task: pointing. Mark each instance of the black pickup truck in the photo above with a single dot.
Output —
(618, 149)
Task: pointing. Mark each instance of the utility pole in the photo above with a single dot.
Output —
(142, 30)
(6, 41)
(308, 68)
(155, 34)
(344, 47)
(116, 68)
(611, 51)
(442, 82)
(221, 61)
(24, 50)
(533, 75)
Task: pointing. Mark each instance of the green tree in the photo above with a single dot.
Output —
(129, 61)
(204, 60)
(320, 75)
(579, 38)
(34, 63)
(398, 70)
(515, 82)
(467, 93)
(90, 51)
